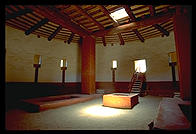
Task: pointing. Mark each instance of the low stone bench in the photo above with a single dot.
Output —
(120, 100)
(170, 116)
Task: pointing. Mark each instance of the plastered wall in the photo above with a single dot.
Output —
(154, 50)
(20, 51)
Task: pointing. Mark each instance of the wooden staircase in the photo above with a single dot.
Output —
(135, 86)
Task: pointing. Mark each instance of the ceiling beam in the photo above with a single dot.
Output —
(121, 39)
(103, 40)
(83, 12)
(135, 25)
(129, 12)
(54, 33)
(107, 13)
(70, 38)
(161, 29)
(138, 35)
(36, 26)
(132, 16)
(18, 13)
(62, 19)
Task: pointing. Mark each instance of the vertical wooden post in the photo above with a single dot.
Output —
(182, 31)
(173, 71)
(88, 65)
(36, 72)
(63, 74)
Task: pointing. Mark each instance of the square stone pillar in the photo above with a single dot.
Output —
(88, 65)
(182, 31)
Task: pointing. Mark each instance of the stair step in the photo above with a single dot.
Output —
(135, 88)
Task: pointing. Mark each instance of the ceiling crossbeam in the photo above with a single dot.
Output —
(136, 25)
(83, 12)
(54, 15)
(121, 39)
(138, 35)
(70, 38)
(36, 26)
(18, 13)
(132, 16)
(54, 33)
(161, 29)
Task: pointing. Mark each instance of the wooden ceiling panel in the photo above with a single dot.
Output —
(83, 20)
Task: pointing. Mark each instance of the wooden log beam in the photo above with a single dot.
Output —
(89, 17)
(161, 29)
(17, 14)
(70, 38)
(121, 39)
(62, 19)
(103, 40)
(54, 33)
(135, 25)
(36, 26)
(129, 12)
(138, 35)
(107, 13)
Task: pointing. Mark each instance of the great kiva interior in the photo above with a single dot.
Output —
(98, 67)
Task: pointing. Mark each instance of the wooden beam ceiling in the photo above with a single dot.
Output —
(36, 26)
(133, 18)
(83, 12)
(161, 29)
(18, 13)
(59, 18)
(54, 33)
(121, 39)
(70, 38)
(135, 25)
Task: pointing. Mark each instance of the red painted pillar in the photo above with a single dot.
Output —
(182, 31)
(88, 65)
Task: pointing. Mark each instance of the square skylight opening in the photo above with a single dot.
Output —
(119, 14)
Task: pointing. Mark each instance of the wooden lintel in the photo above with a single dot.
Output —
(135, 25)
(54, 33)
(161, 29)
(55, 16)
(70, 38)
(103, 40)
(18, 13)
(89, 17)
(36, 26)
(138, 35)
(121, 39)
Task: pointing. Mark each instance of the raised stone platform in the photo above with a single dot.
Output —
(120, 100)
(49, 102)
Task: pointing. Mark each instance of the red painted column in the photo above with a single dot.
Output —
(88, 65)
(182, 31)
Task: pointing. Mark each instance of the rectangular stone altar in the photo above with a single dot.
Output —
(120, 100)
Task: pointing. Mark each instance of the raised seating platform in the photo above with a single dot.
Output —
(170, 116)
(120, 100)
(49, 102)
